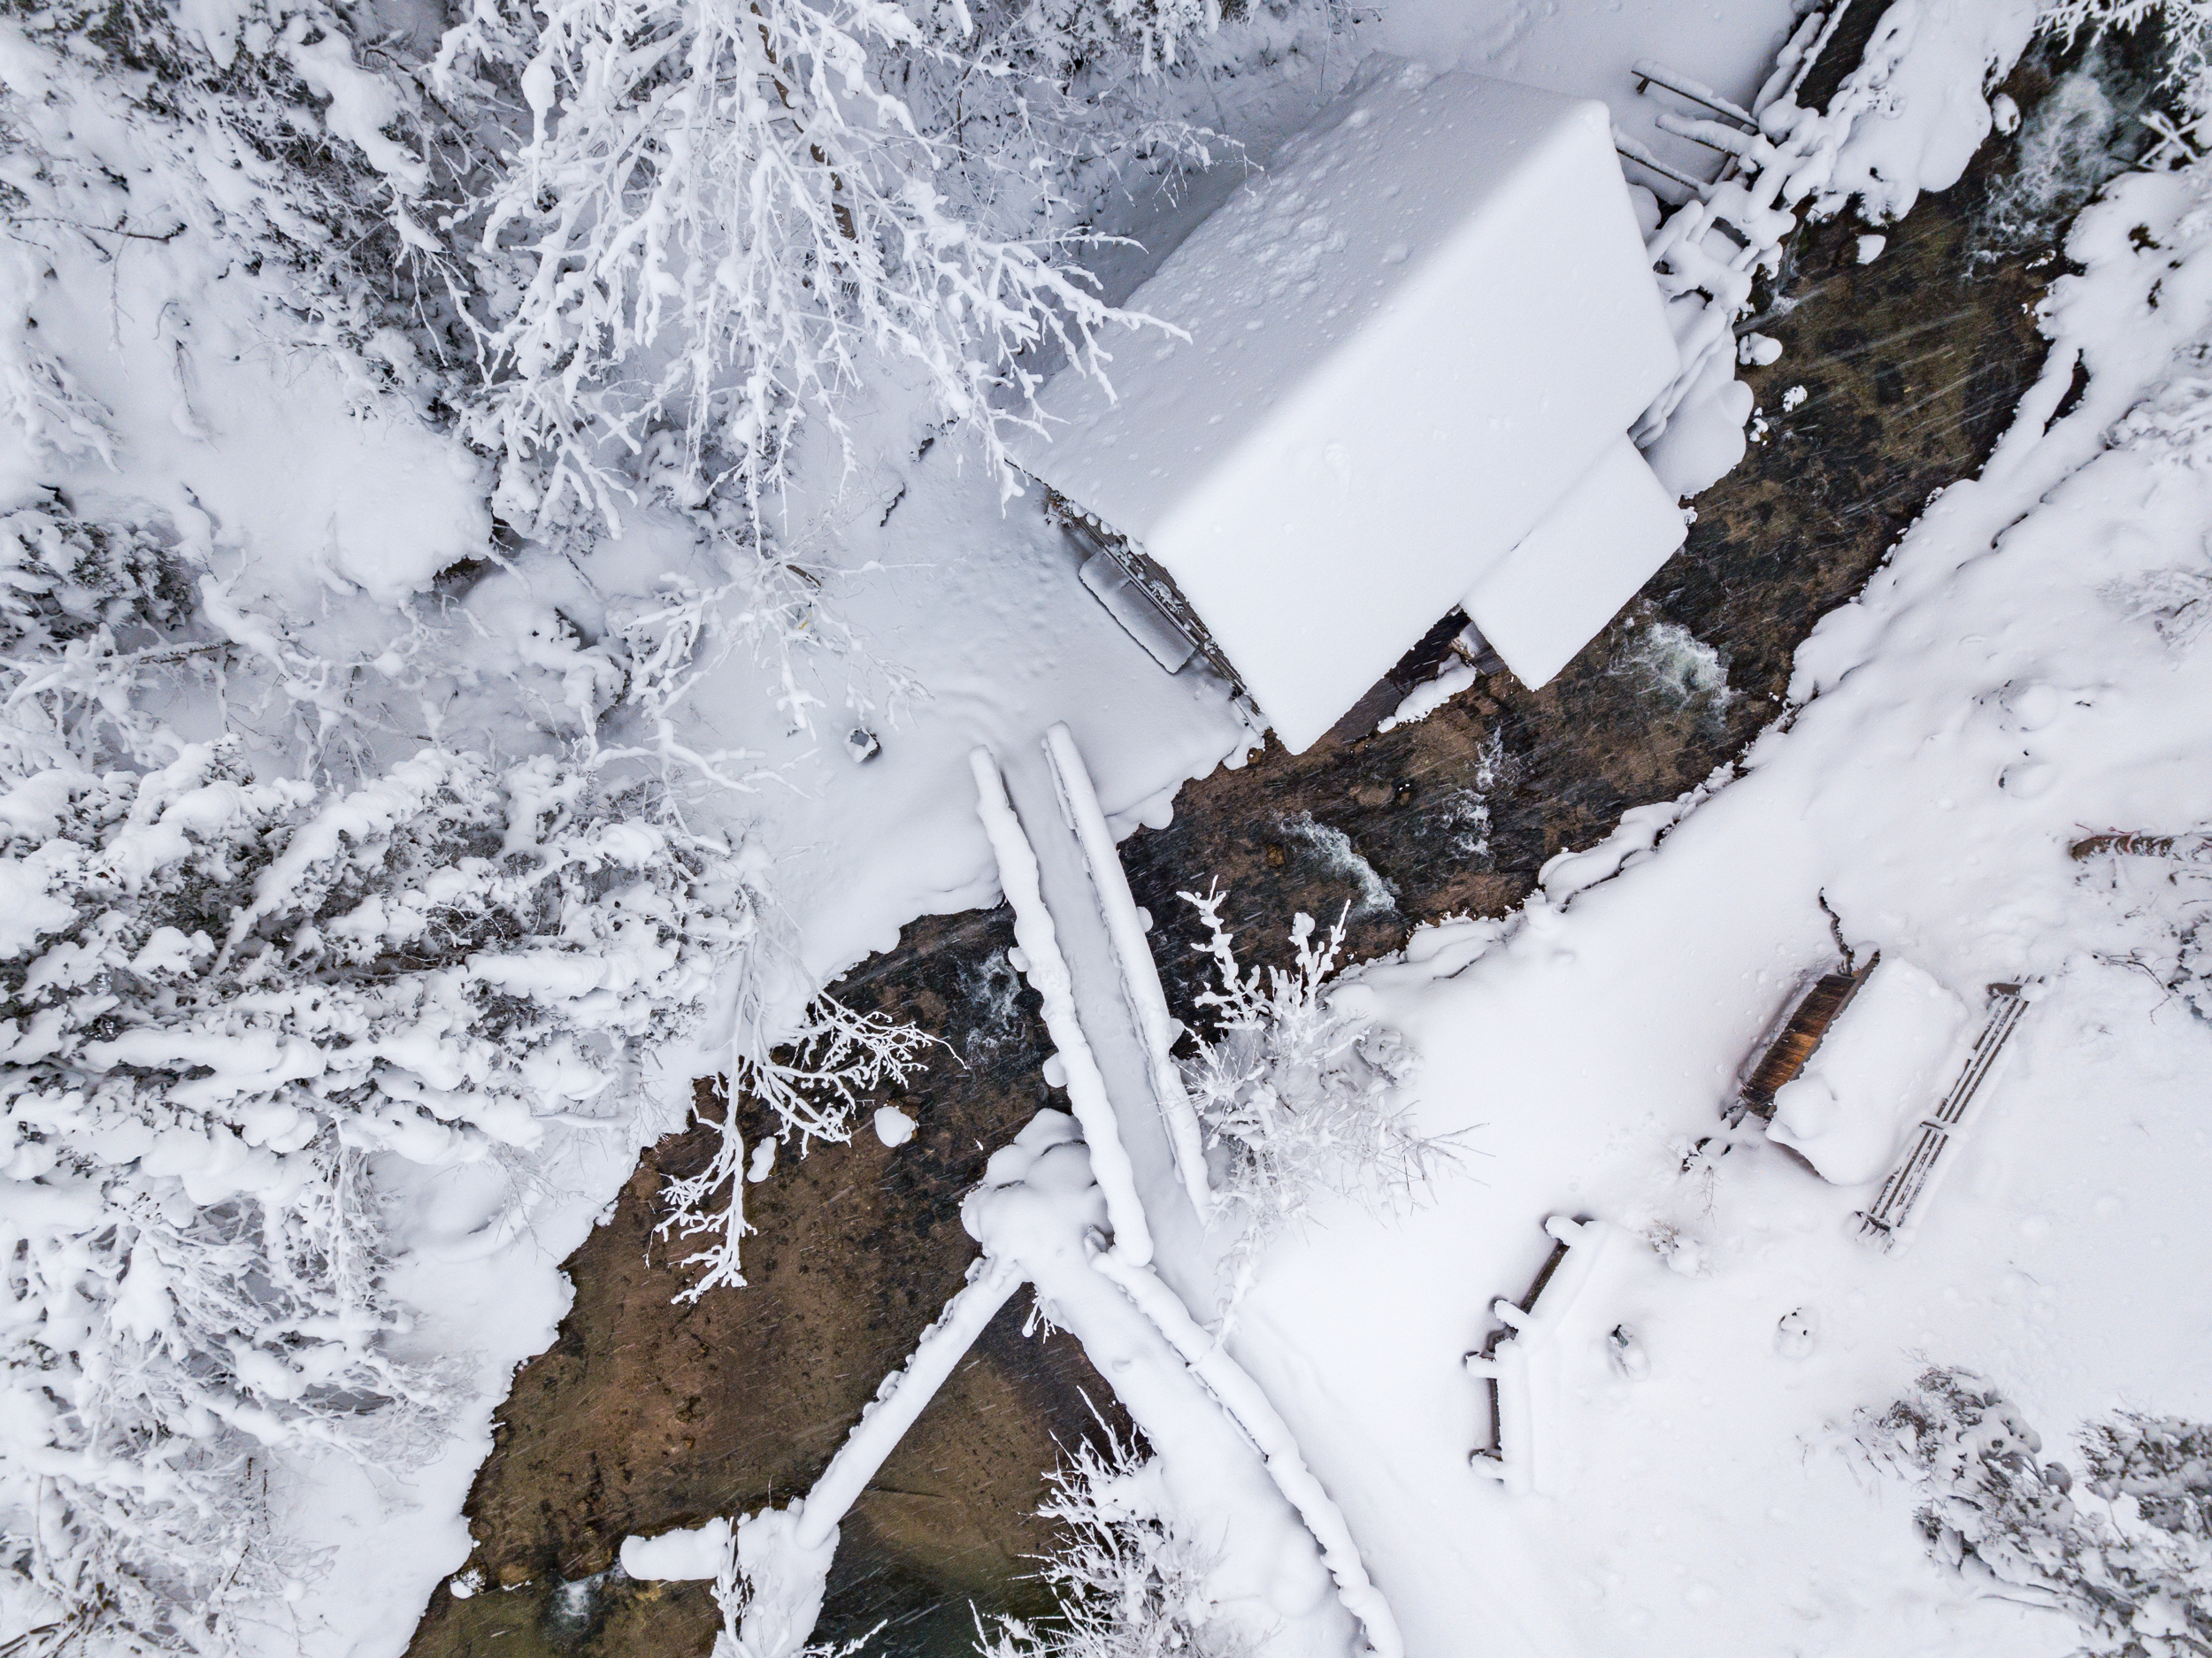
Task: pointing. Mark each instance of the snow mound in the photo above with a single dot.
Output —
(1876, 1069)
(694, 1552)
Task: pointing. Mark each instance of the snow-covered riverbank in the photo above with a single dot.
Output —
(2019, 676)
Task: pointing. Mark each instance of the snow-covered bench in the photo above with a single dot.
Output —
(1520, 1362)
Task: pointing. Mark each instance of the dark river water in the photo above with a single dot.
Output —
(645, 1415)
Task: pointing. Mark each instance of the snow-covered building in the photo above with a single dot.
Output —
(1407, 358)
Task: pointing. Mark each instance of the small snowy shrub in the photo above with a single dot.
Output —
(2176, 601)
(2134, 1567)
(1293, 1090)
(1129, 1583)
(2162, 910)
(2173, 424)
(225, 998)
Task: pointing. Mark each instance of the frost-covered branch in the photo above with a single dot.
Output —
(719, 214)
(1131, 1581)
(809, 1079)
(1295, 1090)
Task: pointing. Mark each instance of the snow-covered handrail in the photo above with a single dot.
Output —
(773, 1567)
(1640, 154)
(1651, 72)
(1047, 971)
(1133, 952)
(903, 1396)
(1728, 140)
(1040, 1215)
(1241, 1397)
(1039, 1205)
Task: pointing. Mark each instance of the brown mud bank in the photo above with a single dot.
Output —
(1896, 378)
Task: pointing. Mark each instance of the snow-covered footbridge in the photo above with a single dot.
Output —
(1107, 1211)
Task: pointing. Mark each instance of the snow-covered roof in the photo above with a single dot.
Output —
(1409, 338)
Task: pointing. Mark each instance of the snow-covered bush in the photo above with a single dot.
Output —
(2161, 908)
(2162, 1462)
(2135, 1569)
(226, 998)
(1129, 1583)
(1295, 1090)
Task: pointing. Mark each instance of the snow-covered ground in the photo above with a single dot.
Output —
(1996, 694)
(976, 613)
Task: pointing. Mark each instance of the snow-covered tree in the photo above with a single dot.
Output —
(245, 141)
(1295, 1090)
(811, 1079)
(1130, 1581)
(716, 215)
(2188, 25)
(230, 995)
(2134, 1567)
(225, 997)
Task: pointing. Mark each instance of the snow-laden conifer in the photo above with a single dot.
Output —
(251, 142)
(226, 998)
(86, 610)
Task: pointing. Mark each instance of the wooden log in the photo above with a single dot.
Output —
(1793, 1047)
(2195, 848)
